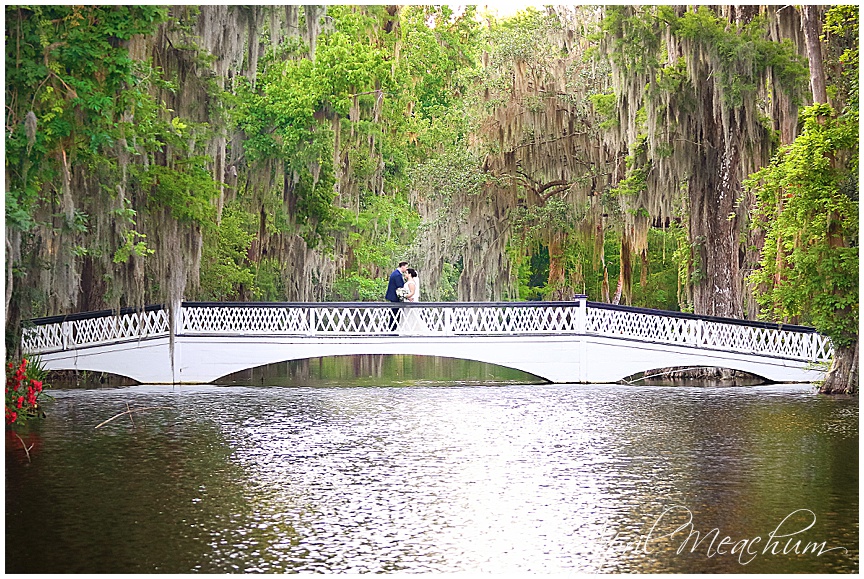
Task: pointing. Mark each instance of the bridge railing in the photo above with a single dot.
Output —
(351, 319)
(93, 329)
(429, 319)
(785, 341)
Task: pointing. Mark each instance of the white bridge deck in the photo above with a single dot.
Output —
(563, 342)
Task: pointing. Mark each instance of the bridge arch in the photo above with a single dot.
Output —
(379, 369)
(695, 374)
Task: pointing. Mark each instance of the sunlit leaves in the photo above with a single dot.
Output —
(187, 190)
(135, 244)
(385, 80)
(809, 267)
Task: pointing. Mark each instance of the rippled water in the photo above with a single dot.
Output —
(530, 478)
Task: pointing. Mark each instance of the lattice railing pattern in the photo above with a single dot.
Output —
(44, 338)
(94, 331)
(353, 320)
(434, 319)
(709, 334)
(245, 320)
(504, 320)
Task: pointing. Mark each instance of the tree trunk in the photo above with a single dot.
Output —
(811, 24)
(556, 280)
(716, 291)
(842, 378)
(10, 262)
(625, 279)
(643, 272)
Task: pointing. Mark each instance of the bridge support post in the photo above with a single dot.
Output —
(174, 348)
(582, 328)
(66, 334)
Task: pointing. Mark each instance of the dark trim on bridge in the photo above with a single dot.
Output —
(91, 315)
(688, 316)
(570, 304)
(376, 304)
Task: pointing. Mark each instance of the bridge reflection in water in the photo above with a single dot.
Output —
(564, 342)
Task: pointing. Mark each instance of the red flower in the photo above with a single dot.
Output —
(20, 402)
(37, 384)
(11, 416)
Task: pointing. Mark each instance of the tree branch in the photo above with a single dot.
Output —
(130, 411)
(26, 449)
(550, 140)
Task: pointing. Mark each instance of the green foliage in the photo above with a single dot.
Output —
(605, 105)
(809, 266)
(533, 274)
(226, 273)
(448, 174)
(187, 189)
(67, 82)
(269, 285)
(288, 115)
(381, 234)
(77, 47)
(387, 84)
(449, 283)
(841, 32)
(672, 77)
(134, 245)
(685, 257)
(742, 52)
(660, 289)
(433, 57)
(79, 107)
(633, 34)
(635, 182)
(278, 118)
(356, 288)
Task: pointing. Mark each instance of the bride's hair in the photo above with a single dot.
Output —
(412, 271)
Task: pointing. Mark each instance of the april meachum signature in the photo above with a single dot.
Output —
(745, 549)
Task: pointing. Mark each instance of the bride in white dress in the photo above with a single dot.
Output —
(411, 322)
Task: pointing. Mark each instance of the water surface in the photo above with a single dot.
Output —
(517, 477)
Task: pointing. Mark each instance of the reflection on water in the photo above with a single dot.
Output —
(378, 369)
(531, 478)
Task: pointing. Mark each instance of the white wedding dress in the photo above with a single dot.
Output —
(412, 323)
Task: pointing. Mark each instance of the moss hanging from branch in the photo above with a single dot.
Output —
(540, 141)
(699, 76)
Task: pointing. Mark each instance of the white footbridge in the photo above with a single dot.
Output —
(562, 342)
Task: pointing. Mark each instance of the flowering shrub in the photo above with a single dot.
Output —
(24, 384)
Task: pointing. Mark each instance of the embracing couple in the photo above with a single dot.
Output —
(404, 285)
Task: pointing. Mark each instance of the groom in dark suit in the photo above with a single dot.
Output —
(396, 281)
